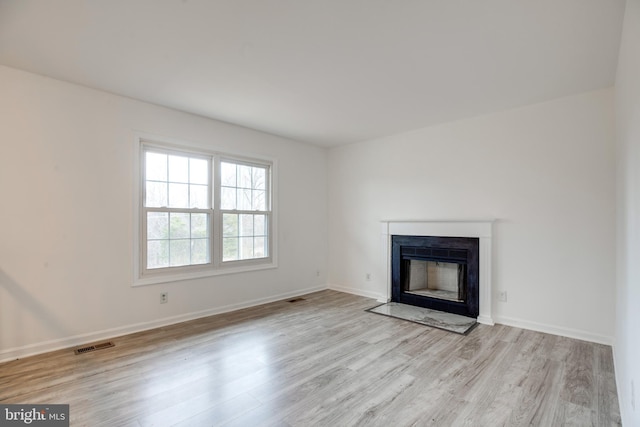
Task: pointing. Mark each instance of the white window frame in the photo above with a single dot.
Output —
(144, 276)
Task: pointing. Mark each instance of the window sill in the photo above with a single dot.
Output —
(221, 271)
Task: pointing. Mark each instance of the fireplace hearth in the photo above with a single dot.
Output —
(436, 272)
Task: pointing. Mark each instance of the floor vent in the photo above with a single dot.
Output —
(296, 299)
(94, 347)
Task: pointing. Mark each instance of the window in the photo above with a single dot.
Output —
(202, 212)
(244, 211)
(177, 209)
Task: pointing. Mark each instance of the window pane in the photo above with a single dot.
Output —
(258, 200)
(156, 166)
(244, 200)
(156, 194)
(246, 247)
(228, 198)
(259, 225)
(157, 225)
(246, 225)
(244, 176)
(259, 181)
(180, 251)
(228, 174)
(252, 236)
(230, 248)
(199, 225)
(179, 195)
(157, 254)
(199, 196)
(259, 248)
(198, 171)
(178, 169)
(179, 226)
(229, 225)
(199, 251)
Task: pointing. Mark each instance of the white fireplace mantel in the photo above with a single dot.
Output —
(481, 229)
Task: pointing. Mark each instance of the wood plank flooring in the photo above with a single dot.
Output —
(323, 361)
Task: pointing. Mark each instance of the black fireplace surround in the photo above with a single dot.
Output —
(463, 251)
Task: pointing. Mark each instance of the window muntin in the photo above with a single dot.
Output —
(193, 219)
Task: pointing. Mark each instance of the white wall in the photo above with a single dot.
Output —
(66, 217)
(627, 93)
(545, 172)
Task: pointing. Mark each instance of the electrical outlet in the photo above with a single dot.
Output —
(164, 297)
(368, 277)
(502, 296)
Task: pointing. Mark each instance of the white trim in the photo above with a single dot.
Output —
(59, 344)
(482, 229)
(137, 204)
(199, 274)
(555, 330)
(360, 292)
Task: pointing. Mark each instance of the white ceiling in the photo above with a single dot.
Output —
(328, 72)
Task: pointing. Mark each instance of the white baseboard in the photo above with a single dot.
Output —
(361, 292)
(508, 321)
(485, 320)
(554, 330)
(47, 346)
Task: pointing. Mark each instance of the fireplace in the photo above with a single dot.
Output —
(436, 272)
(480, 230)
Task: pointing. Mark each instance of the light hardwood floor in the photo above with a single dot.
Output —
(323, 361)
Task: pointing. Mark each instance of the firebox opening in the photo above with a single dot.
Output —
(436, 272)
(435, 279)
